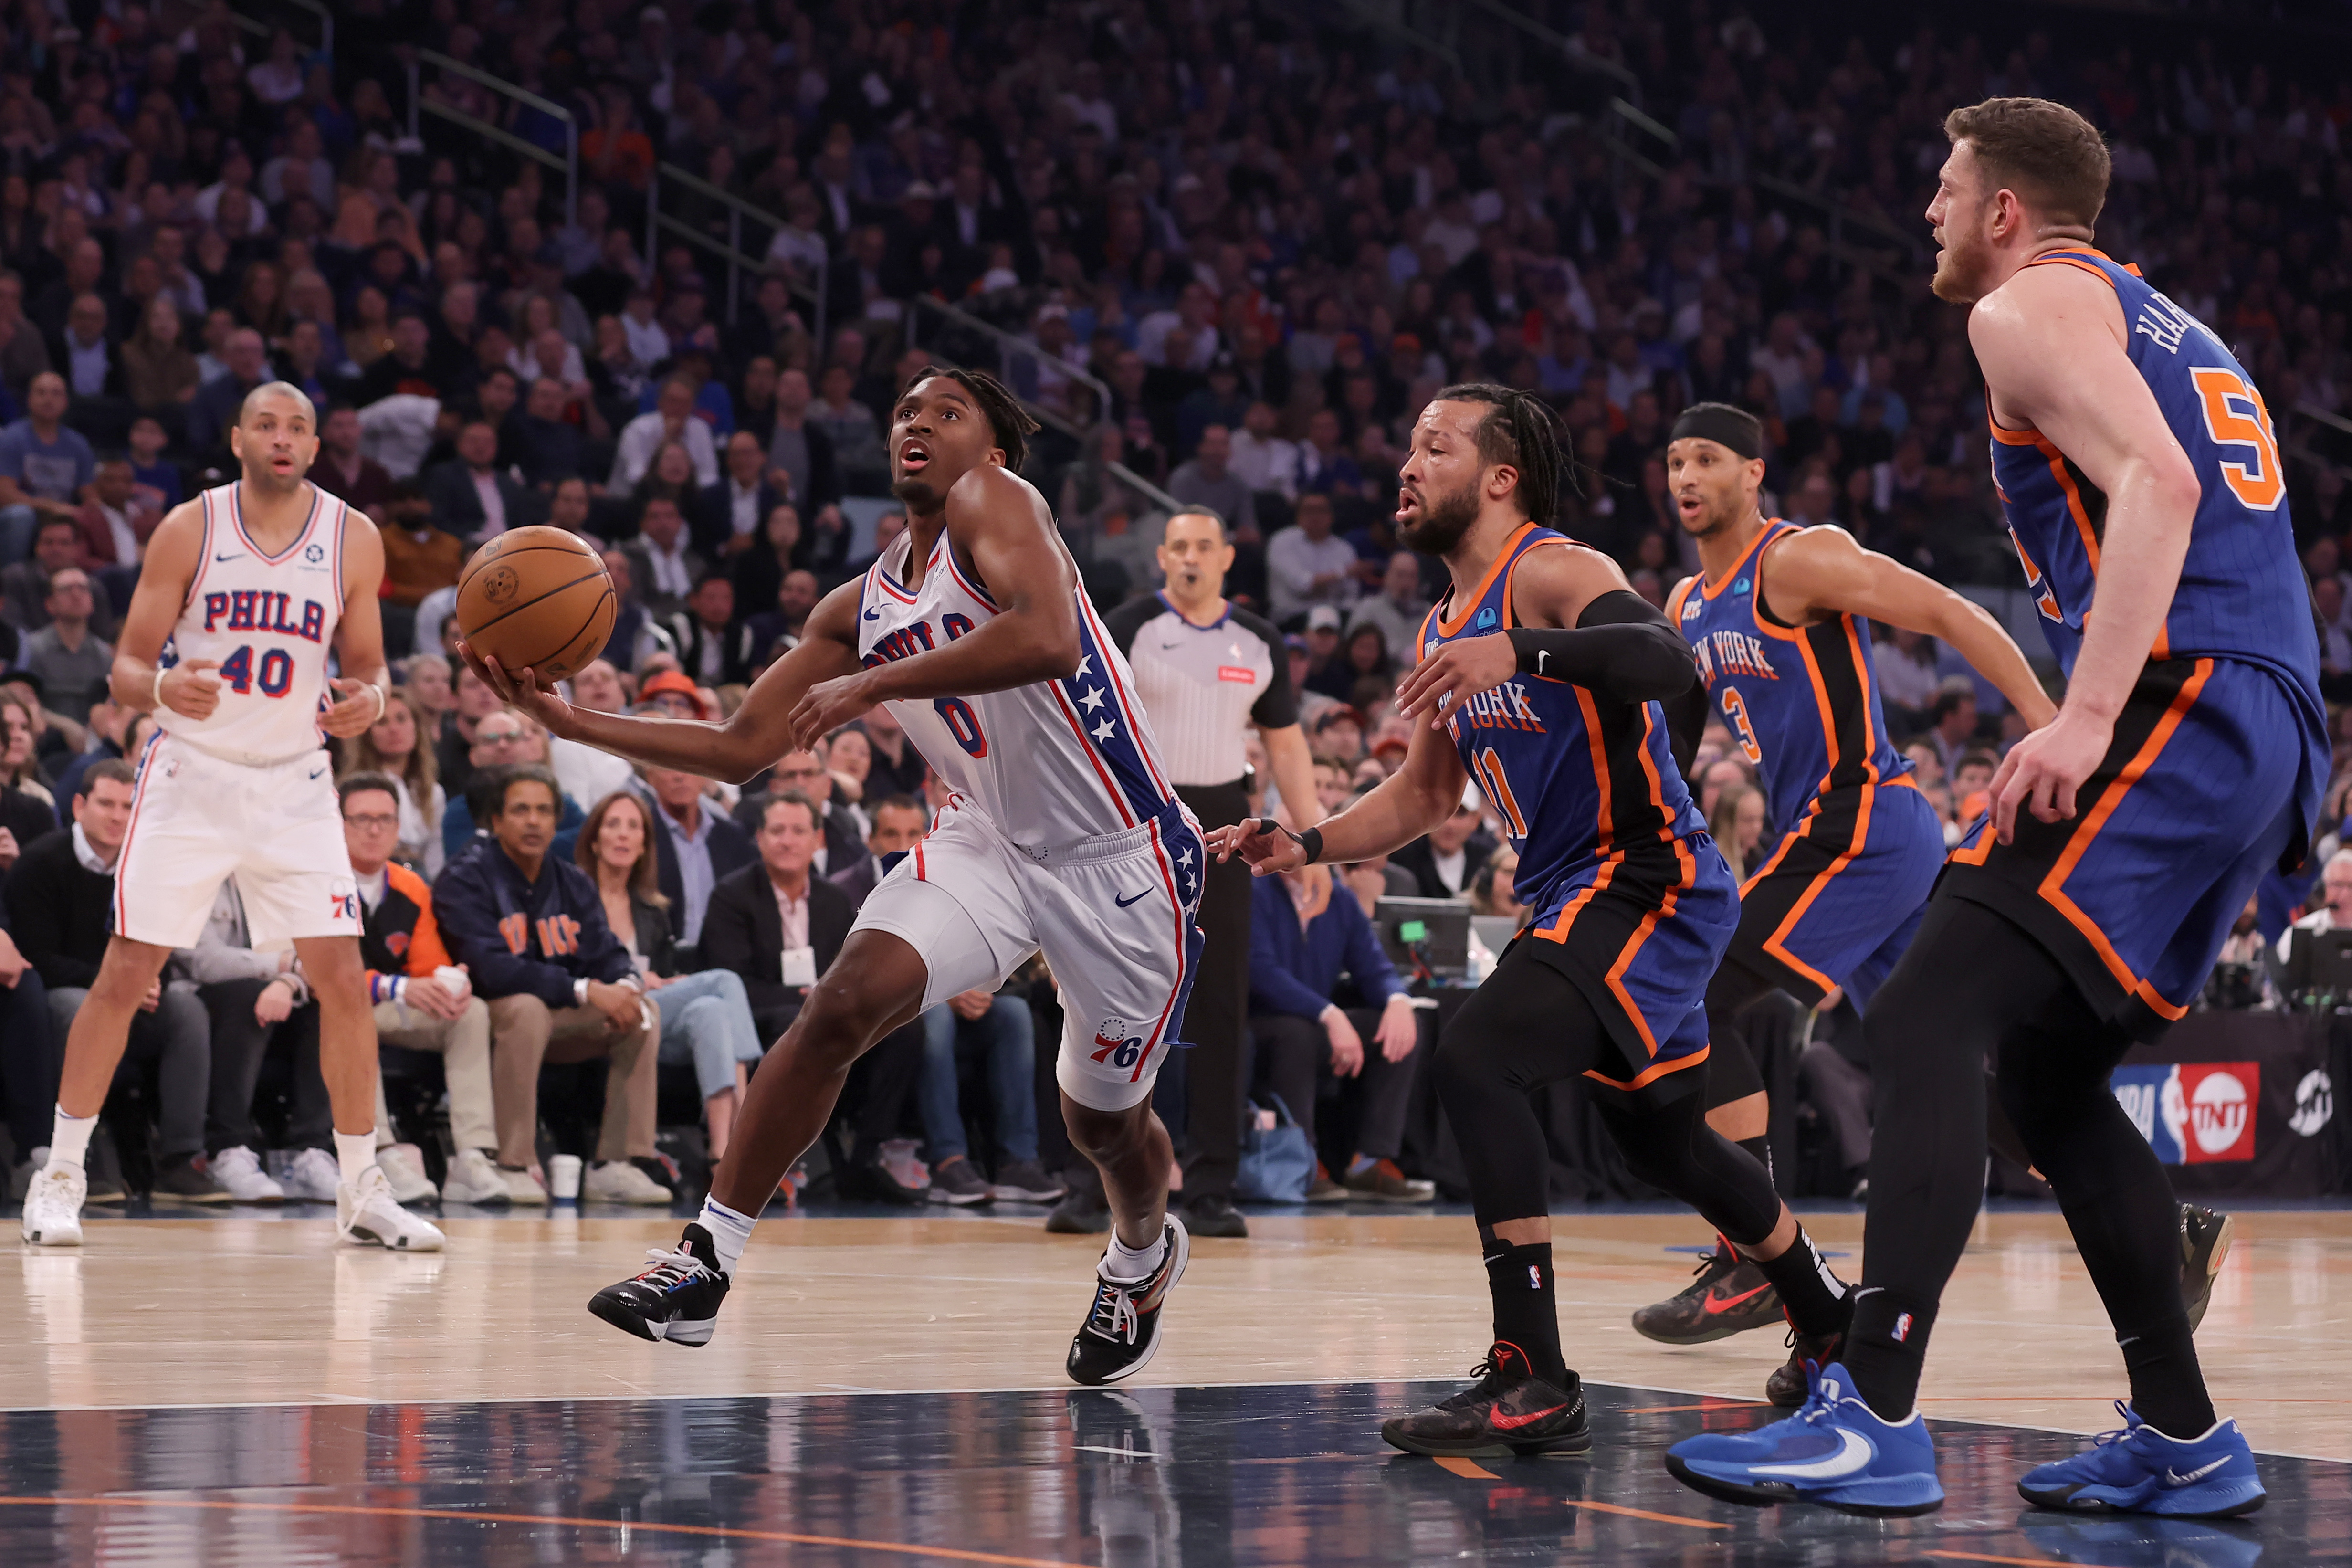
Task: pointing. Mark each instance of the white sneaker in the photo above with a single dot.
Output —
(312, 1176)
(522, 1187)
(53, 1207)
(473, 1179)
(366, 1215)
(240, 1169)
(404, 1166)
(619, 1181)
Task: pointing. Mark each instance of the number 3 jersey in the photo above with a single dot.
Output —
(1051, 762)
(270, 621)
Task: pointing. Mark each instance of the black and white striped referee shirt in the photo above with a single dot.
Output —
(1204, 686)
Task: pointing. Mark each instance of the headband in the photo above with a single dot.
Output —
(1722, 424)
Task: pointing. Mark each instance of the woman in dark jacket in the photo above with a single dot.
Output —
(706, 1017)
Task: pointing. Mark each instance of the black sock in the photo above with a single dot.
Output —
(1761, 1148)
(2168, 1387)
(1885, 1348)
(1815, 1297)
(1520, 1280)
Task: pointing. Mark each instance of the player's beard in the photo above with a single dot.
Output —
(1716, 515)
(917, 493)
(1442, 521)
(260, 475)
(1963, 265)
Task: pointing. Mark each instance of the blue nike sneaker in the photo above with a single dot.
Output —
(1835, 1451)
(2138, 1469)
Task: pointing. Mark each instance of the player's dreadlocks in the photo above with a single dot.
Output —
(1006, 417)
(1520, 430)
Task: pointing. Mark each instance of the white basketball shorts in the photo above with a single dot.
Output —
(197, 820)
(1113, 916)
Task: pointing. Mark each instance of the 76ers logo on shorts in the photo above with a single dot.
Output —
(1114, 1047)
(343, 901)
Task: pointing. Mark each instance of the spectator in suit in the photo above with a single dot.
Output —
(841, 841)
(664, 565)
(898, 821)
(531, 930)
(549, 449)
(713, 645)
(1443, 863)
(774, 911)
(472, 497)
(213, 412)
(727, 515)
(706, 1017)
(1302, 940)
(91, 363)
(695, 846)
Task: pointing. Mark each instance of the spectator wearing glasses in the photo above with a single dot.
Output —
(706, 1017)
(69, 658)
(505, 740)
(841, 844)
(419, 1005)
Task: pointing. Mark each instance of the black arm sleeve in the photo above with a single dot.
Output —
(1622, 647)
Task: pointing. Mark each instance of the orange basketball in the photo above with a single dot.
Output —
(539, 599)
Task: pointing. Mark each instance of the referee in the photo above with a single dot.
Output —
(1206, 672)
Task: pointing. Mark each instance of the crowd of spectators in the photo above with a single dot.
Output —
(1227, 255)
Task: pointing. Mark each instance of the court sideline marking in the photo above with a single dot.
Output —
(1471, 1470)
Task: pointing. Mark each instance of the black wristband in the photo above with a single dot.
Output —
(1312, 842)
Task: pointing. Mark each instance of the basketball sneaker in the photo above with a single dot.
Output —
(1509, 1411)
(1728, 1295)
(312, 1176)
(2204, 1243)
(53, 1207)
(367, 1216)
(404, 1167)
(1789, 1387)
(1025, 1181)
(1122, 1328)
(473, 1178)
(240, 1169)
(2138, 1469)
(1835, 1451)
(676, 1300)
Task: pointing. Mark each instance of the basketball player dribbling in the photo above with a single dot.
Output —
(251, 584)
(2142, 482)
(1061, 833)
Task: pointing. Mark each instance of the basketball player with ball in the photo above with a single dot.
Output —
(1060, 834)
(242, 593)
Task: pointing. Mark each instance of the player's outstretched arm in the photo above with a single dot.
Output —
(1421, 793)
(1004, 526)
(1822, 571)
(175, 554)
(2051, 342)
(733, 749)
(358, 635)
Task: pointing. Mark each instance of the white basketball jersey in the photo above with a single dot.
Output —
(271, 620)
(1051, 762)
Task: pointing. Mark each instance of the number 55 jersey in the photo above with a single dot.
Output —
(2221, 752)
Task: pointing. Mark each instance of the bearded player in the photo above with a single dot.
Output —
(251, 584)
(1061, 833)
(2142, 482)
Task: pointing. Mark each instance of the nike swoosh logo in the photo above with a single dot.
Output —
(1854, 1454)
(318, 773)
(1503, 1423)
(1122, 903)
(2174, 1479)
(1715, 1304)
(1543, 656)
(1168, 646)
(229, 557)
(873, 615)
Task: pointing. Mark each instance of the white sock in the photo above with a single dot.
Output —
(355, 1151)
(70, 1139)
(1123, 1262)
(730, 1232)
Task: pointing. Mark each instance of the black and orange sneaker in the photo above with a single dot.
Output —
(1787, 1387)
(2204, 1243)
(1509, 1411)
(1728, 1295)
(1122, 1327)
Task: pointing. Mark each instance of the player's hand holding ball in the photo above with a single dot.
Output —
(190, 688)
(522, 691)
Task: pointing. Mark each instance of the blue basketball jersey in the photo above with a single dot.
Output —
(1802, 702)
(1575, 778)
(2241, 593)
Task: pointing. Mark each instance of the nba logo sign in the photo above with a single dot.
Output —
(2192, 1113)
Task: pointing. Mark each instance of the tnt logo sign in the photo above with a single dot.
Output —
(2192, 1113)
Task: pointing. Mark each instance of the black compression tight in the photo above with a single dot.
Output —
(1975, 986)
(1529, 1026)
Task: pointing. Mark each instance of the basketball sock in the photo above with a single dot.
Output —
(1815, 1297)
(70, 1138)
(1123, 1262)
(730, 1232)
(1885, 1348)
(2168, 1386)
(1519, 1278)
(354, 1152)
(1760, 1147)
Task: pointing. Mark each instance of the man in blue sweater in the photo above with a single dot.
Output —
(1301, 942)
(531, 932)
